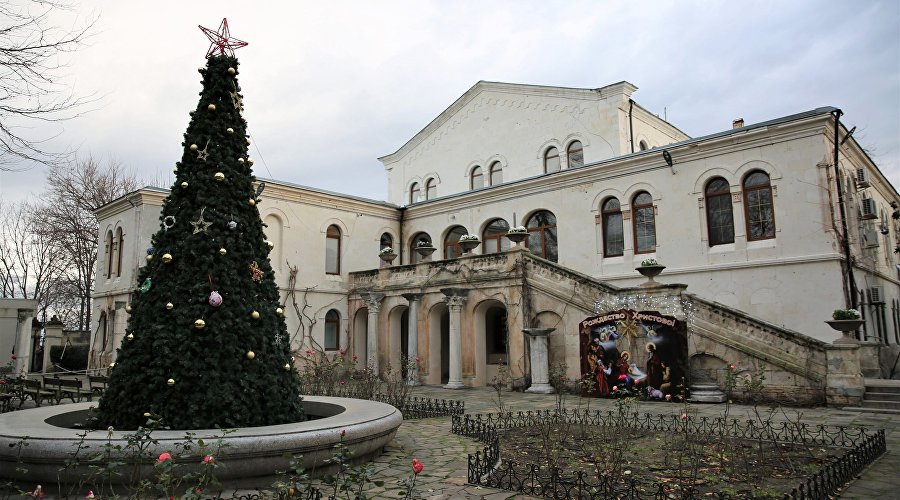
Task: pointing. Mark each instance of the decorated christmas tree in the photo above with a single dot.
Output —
(206, 342)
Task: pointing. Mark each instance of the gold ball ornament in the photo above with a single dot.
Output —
(252, 202)
(219, 176)
(112, 364)
(270, 245)
(211, 107)
(146, 413)
(254, 315)
(250, 161)
(171, 382)
(248, 141)
(279, 311)
(222, 251)
(201, 69)
(170, 306)
(149, 258)
(241, 161)
(130, 336)
(199, 324)
(251, 354)
(184, 185)
(166, 258)
(128, 308)
(194, 147)
(229, 130)
(231, 71)
(287, 367)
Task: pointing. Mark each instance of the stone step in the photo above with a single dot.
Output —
(884, 405)
(880, 395)
(860, 409)
(882, 385)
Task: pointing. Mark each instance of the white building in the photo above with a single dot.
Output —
(747, 218)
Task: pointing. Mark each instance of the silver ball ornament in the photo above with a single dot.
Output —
(222, 251)
(232, 225)
(170, 306)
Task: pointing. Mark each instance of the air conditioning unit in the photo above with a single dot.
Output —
(876, 295)
(869, 238)
(862, 178)
(869, 211)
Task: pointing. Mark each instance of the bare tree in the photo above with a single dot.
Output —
(30, 263)
(73, 193)
(31, 50)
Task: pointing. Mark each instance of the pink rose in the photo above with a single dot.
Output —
(208, 459)
(615, 388)
(668, 397)
(733, 367)
(417, 466)
(163, 457)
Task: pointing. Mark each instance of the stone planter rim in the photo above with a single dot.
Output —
(845, 325)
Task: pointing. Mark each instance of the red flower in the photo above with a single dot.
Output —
(343, 432)
(2, 381)
(417, 466)
(208, 459)
(342, 382)
(684, 416)
(163, 457)
(14, 357)
(615, 388)
(39, 491)
(355, 357)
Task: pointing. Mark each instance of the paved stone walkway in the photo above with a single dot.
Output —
(445, 454)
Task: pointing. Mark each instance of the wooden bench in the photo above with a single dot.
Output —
(67, 388)
(34, 389)
(97, 383)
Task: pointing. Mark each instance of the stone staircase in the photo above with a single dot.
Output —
(882, 396)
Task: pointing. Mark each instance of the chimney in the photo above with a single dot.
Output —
(737, 123)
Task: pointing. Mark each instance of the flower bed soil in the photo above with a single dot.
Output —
(711, 464)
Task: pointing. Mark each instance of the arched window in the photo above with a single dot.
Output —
(542, 235)
(644, 221)
(496, 173)
(387, 241)
(551, 160)
(494, 239)
(120, 246)
(333, 250)
(430, 189)
(452, 249)
(643, 146)
(613, 233)
(495, 335)
(332, 340)
(414, 192)
(719, 217)
(758, 206)
(416, 242)
(109, 253)
(477, 178)
(575, 154)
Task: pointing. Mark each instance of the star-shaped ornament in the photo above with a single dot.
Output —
(222, 41)
(278, 338)
(628, 328)
(201, 224)
(203, 154)
(237, 101)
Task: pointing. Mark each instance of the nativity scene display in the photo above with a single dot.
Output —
(633, 353)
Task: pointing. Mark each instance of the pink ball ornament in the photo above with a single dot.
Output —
(215, 299)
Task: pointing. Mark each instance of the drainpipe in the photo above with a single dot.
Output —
(849, 281)
(630, 124)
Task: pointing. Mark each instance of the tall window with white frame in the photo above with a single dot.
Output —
(109, 254)
(332, 340)
(120, 244)
(575, 155)
(496, 173)
(719, 215)
(644, 220)
(333, 250)
(613, 232)
(542, 240)
(551, 160)
(758, 208)
(477, 178)
(414, 192)
(430, 189)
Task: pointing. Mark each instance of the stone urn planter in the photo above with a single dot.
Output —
(468, 245)
(516, 237)
(425, 252)
(650, 272)
(846, 327)
(388, 257)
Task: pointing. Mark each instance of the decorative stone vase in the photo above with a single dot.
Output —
(846, 327)
(425, 251)
(388, 257)
(468, 245)
(650, 272)
(516, 237)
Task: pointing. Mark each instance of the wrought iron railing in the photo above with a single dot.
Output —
(861, 445)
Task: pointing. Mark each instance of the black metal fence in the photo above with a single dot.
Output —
(862, 446)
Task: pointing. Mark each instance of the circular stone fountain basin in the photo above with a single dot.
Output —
(250, 457)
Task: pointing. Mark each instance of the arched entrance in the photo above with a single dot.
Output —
(398, 322)
(438, 344)
(491, 341)
(360, 328)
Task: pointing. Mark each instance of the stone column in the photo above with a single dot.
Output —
(53, 336)
(373, 304)
(455, 298)
(412, 331)
(23, 331)
(540, 359)
(844, 383)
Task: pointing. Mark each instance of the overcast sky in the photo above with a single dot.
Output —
(330, 86)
